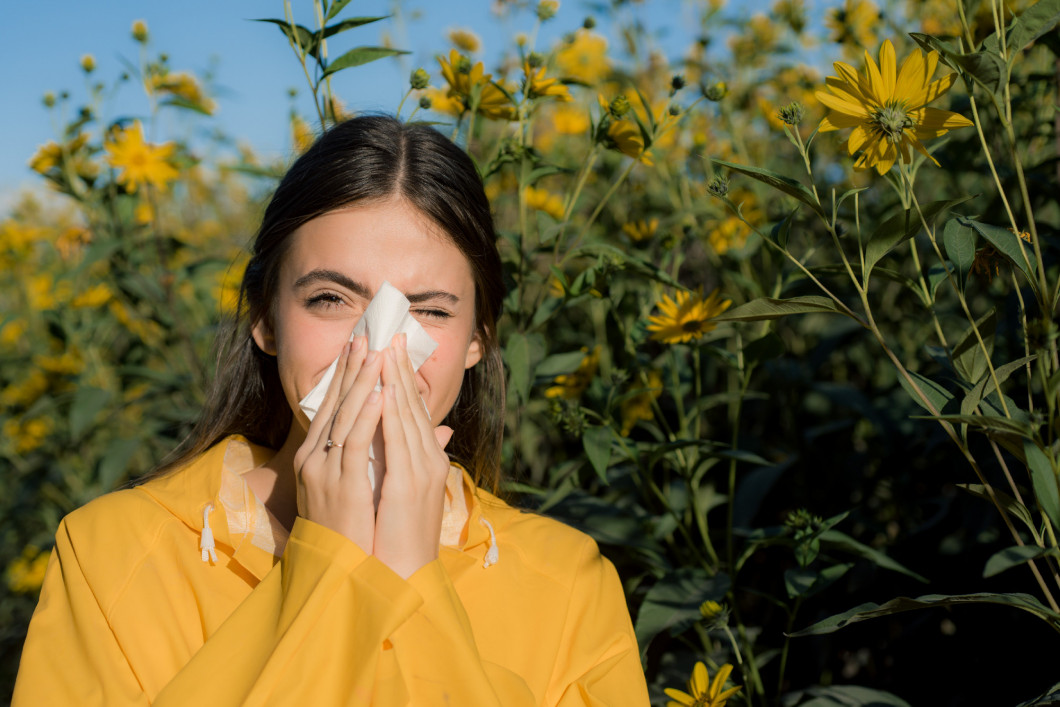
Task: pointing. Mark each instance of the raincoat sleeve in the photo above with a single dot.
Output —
(71, 655)
(598, 662)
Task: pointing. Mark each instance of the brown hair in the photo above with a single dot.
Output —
(365, 159)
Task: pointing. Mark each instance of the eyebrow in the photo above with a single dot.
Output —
(358, 288)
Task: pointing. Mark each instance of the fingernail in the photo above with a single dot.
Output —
(403, 340)
(371, 356)
(391, 390)
(358, 342)
(390, 353)
(373, 397)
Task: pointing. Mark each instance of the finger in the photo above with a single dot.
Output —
(354, 456)
(407, 377)
(442, 435)
(349, 408)
(316, 436)
(358, 352)
(398, 455)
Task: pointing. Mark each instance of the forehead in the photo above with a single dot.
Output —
(389, 240)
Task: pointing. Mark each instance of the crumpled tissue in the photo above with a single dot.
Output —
(386, 316)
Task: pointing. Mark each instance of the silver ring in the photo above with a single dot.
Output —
(329, 444)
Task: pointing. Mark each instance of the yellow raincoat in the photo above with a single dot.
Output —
(130, 614)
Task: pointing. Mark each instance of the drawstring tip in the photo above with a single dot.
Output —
(206, 544)
(493, 555)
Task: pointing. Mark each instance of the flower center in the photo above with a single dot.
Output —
(892, 120)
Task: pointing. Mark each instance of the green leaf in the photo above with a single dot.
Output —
(787, 185)
(297, 35)
(805, 582)
(986, 423)
(763, 349)
(1012, 556)
(862, 612)
(672, 603)
(769, 308)
(358, 56)
(115, 461)
(841, 541)
(1043, 476)
(88, 402)
(969, 359)
(985, 68)
(847, 696)
(558, 364)
(517, 356)
(1049, 698)
(1035, 21)
(985, 386)
(937, 275)
(1007, 243)
(597, 443)
(350, 24)
(780, 233)
(336, 7)
(618, 257)
(1011, 505)
(959, 241)
(846, 195)
(935, 393)
(900, 228)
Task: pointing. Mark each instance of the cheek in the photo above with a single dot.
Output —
(305, 349)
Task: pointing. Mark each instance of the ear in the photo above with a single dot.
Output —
(474, 351)
(263, 336)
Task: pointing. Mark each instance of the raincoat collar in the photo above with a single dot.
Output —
(187, 491)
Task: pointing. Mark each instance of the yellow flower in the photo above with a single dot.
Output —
(888, 109)
(12, 332)
(302, 136)
(465, 40)
(139, 31)
(24, 393)
(140, 163)
(95, 296)
(537, 86)
(465, 80)
(584, 58)
(183, 86)
(686, 317)
(68, 362)
(27, 434)
(26, 574)
(72, 240)
(571, 386)
(570, 120)
(88, 63)
(51, 154)
(546, 201)
(852, 25)
(641, 230)
(624, 136)
(705, 693)
(638, 407)
(226, 287)
(710, 609)
(43, 293)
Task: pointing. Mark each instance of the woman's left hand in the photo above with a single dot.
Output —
(408, 521)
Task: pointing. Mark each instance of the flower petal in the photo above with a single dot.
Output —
(846, 92)
(700, 679)
(933, 122)
(838, 121)
(857, 138)
(932, 91)
(875, 87)
(911, 77)
(680, 697)
(838, 104)
(887, 69)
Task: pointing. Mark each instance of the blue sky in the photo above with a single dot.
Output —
(41, 44)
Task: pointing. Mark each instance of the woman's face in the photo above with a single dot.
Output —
(334, 266)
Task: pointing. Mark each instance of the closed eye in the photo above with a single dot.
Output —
(433, 313)
(324, 300)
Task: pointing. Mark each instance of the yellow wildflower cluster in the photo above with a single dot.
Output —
(686, 317)
(854, 24)
(25, 392)
(26, 573)
(639, 406)
(27, 435)
(183, 87)
(641, 230)
(572, 385)
(545, 201)
(141, 163)
(469, 85)
(584, 58)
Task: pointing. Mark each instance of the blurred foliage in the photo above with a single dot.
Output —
(779, 391)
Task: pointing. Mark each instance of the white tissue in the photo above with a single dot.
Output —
(386, 315)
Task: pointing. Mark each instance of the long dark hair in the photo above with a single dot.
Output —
(365, 159)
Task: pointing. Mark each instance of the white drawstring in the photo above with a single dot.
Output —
(206, 543)
(492, 555)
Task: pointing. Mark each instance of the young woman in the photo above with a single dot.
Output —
(259, 568)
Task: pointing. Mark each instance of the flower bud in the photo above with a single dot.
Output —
(48, 99)
(677, 82)
(589, 23)
(718, 186)
(419, 79)
(716, 91)
(425, 102)
(535, 60)
(546, 9)
(139, 31)
(463, 65)
(88, 63)
(791, 114)
(619, 106)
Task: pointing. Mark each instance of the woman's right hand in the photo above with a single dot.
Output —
(332, 483)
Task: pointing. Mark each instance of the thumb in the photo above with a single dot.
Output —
(443, 433)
